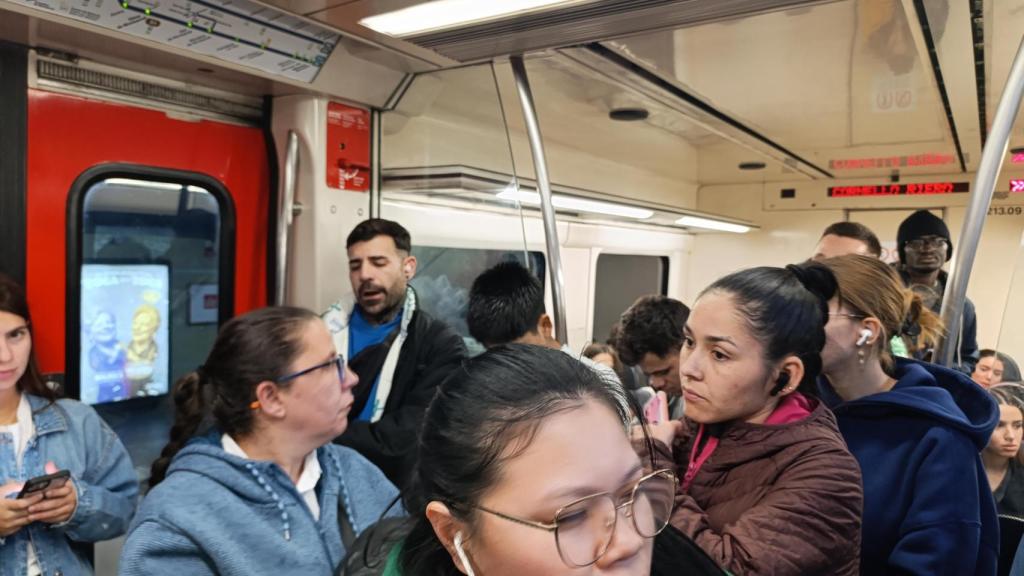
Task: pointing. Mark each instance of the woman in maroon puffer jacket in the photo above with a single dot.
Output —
(768, 486)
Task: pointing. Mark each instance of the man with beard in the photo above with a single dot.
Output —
(924, 246)
(400, 353)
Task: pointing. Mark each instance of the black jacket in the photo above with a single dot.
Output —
(430, 352)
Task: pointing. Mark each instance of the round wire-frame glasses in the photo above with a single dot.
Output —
(584, 528)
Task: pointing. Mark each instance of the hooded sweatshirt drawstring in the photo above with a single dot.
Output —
(287, 527)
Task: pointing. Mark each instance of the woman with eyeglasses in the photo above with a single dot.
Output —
(915, 428)
(250, 482)
(768, 486)
(525, 466)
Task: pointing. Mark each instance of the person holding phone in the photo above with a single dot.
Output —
(65, 477)
(263, 490)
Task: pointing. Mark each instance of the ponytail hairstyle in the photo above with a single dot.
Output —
(786, 309)
(1010, 394)
(13, 301)
(249, 349)
(483, 415)
(871, 287)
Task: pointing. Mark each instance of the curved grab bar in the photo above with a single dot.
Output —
(540, 166)
(981, 197)
(287, 209)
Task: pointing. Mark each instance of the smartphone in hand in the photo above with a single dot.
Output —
(43, 483)
(652, 410)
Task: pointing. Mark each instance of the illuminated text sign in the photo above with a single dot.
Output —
(892, 161)
(898, 189)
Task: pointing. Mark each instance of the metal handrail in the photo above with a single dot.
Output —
(544, 187)
(981, 197)
(287, 209)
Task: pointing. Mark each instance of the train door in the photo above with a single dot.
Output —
(144, 232)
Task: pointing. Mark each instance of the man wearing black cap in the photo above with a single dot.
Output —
(924, 246)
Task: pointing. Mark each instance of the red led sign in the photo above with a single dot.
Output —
(898, 189)
(891, 161)
(1016, 185)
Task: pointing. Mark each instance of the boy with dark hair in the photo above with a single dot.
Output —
(400, 352)
(506, 305)
(847, 238)
(650, 337)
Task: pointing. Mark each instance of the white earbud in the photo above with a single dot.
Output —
(865, 334)
(462, 554)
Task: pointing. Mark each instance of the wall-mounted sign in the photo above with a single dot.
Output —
(1016, 185)
(892, 162)
(899, 189)
(348, 148)
(236, 31)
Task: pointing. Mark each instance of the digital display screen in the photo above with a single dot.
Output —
(899, 189)
(124, 351)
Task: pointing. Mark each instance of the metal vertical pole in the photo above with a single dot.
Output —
(285, 214)
(981, 197)
(544, 187)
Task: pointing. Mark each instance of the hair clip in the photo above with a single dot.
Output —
(255, 405)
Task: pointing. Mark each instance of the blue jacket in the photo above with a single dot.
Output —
(928, 508)
(75, 438)
(216, 513)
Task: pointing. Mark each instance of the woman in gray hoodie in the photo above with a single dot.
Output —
(250, 482)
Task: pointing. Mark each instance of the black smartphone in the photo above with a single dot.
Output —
(41, 483)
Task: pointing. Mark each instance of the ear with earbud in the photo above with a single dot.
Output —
(467, 568)
(780, 383)
(865, 335)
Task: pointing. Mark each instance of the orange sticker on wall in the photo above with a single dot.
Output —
(348, 148)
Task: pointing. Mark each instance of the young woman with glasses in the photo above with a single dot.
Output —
(250, 482)
(768, 486)
(526, 467)
(915, 428)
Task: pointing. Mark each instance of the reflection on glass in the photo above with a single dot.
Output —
(148, 300)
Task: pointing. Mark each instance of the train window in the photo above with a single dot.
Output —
(445, 275)
(150, 263)
(620, 280)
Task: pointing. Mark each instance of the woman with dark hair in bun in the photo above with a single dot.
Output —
(768, 486)
(916, 429)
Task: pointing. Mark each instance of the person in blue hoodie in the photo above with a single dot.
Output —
(259, 491)
(915, 428)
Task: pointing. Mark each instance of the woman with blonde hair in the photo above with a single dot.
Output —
(915, 428)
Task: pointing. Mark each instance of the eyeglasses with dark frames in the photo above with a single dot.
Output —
(584, 528)
(338, 361)
(845, 315)
(921, 243)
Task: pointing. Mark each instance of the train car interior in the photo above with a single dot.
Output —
(196, 159)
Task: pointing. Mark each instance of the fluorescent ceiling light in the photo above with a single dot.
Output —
(709, 224)
(441, 14)
(580, 204)
(143, 183)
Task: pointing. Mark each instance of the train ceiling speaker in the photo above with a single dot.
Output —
(585, 22)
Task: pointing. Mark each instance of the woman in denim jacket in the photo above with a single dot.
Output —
(38, 435)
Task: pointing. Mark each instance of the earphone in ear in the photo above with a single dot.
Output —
(780, 383)
(865, 334)
(462, 554)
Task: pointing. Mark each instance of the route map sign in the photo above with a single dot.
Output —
(237, 31)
